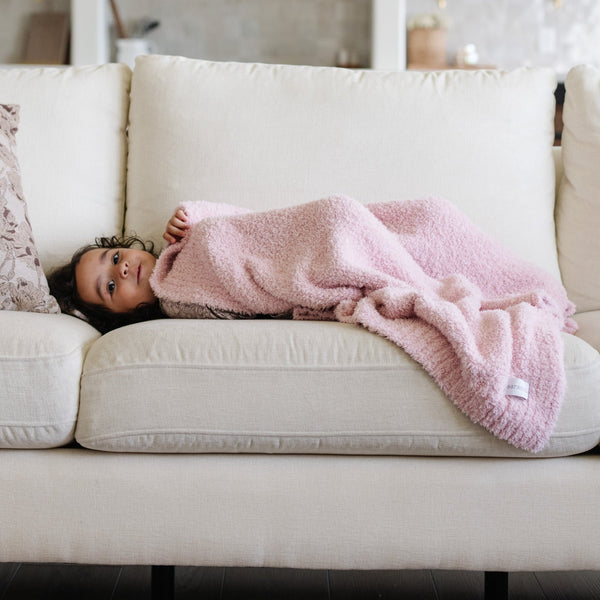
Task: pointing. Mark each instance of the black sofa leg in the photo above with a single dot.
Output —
(496, 585)
(163, 582)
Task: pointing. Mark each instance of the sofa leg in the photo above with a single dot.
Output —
(163, 582)
(496, 585)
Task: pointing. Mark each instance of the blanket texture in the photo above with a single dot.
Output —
(485, 324)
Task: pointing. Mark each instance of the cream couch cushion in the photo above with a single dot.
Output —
(293, 387)
(41, 358)
(264, 136)
(578, 210)
(71, 146)
(305, 512)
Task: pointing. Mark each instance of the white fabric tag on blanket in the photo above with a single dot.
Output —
(517, 387)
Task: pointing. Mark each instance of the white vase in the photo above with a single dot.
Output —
(129, 48)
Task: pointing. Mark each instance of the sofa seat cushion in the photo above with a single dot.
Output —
(41, 357)
(269, 386)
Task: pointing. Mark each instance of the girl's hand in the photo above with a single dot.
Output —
(176, 227)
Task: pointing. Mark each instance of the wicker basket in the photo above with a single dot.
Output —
(427, 48)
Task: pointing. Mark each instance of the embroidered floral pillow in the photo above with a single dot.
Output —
(23, 285)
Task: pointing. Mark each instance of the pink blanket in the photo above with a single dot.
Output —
(485, 324)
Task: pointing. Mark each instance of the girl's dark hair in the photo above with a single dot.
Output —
(63, 288)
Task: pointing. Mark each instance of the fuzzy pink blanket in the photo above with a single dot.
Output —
(485, 324)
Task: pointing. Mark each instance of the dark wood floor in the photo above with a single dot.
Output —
(92, 582)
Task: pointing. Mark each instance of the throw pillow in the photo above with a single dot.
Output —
(23, 285)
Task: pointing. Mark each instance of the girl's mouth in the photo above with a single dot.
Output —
(139, 273)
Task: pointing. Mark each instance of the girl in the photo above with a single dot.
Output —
(329, 259)
(107, 283)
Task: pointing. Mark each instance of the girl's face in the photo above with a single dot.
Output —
(117, 278)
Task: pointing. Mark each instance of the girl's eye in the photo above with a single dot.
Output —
(111, 287)
(115, 258)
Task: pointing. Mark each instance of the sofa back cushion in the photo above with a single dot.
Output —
(265, 136)
(71, 147)
(578, 210)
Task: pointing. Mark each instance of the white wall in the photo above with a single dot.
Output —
(89, 32)
(388, 34)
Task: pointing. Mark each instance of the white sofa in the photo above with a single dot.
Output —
(284, 443)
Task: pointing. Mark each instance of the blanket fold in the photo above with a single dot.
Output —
(419, 273)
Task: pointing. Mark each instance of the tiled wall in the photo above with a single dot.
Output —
(279, 31)
(507, 33)
(510, 33)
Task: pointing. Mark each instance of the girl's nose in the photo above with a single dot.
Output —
(124, 269)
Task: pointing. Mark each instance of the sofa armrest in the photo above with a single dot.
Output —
(589, 327)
